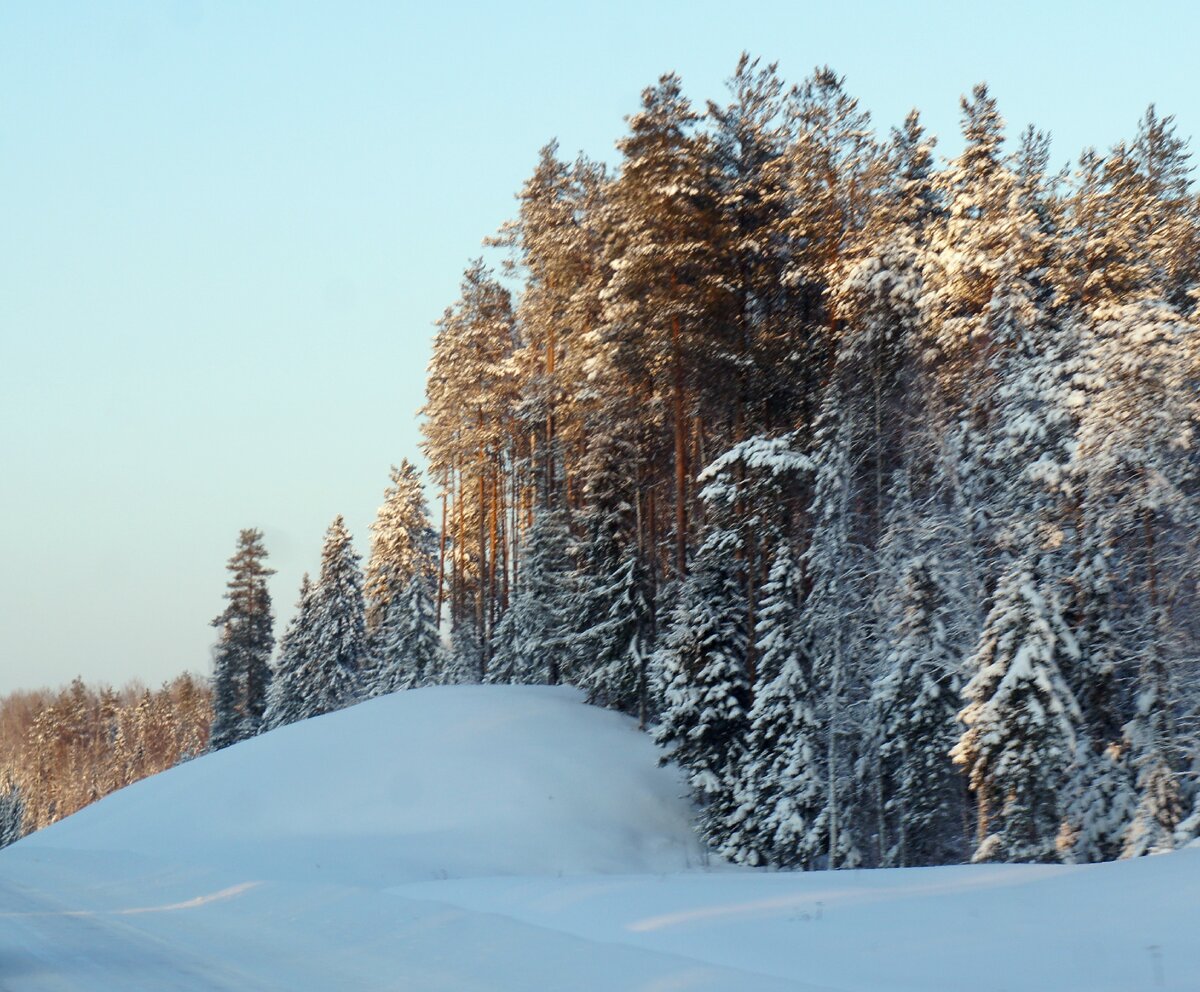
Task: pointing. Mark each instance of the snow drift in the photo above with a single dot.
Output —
(444, 782)
(510, 838)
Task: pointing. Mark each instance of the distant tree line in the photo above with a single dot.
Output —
(61, 751)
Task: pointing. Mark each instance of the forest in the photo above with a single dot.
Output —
(865, 480)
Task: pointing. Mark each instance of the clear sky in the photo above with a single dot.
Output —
(227, 228)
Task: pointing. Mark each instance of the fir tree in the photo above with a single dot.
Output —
(243, 654)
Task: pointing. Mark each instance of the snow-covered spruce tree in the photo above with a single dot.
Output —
(1021, 721)
(1102, 802)
(613, 605)
(704, 690)
(242, 658)
(464, 661)
(779, 794)
(617, 640)
(12, 814)
(338, 646)
(285, 698)
(752, 496)
(838, 625)
(915, 707)
(403, 543)
(406, 649)
(532, 641)
(1136, 470)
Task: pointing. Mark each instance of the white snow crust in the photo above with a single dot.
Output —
(511, 838)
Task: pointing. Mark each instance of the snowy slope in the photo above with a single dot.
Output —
(512, 838)
(442, 782)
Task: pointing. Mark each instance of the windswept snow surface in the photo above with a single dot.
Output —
(511, 838)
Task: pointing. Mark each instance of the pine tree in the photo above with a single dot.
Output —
(242, 658)
(664, 295)
(1021, 720)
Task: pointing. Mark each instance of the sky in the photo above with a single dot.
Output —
(226, 230)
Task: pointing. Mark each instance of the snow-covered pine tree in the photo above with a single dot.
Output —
(406, 649)
(338, 645)
(242, 658)
(779, 795)
(915, 707)
(1021, 721)
(285, 698)
(532, 641)
(665, 295)
(704, 691)
(403, 543)
(471, 393)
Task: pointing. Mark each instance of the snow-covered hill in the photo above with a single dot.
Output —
(444, 782)
(512, 838)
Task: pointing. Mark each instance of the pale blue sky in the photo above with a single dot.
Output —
(226, 229)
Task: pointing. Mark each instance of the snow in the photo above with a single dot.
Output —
(511, 838)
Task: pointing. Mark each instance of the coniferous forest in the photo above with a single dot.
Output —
(863, 477)
(866, 479)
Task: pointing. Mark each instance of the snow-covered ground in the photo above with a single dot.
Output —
(511, 838)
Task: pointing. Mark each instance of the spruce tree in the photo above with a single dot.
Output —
(285, 699)
(705, 693)
(915, 720)
(403, 543)
(532, 642)
(1021, 721)
(779, 798)
(406, 648)
(12, 814)
(338, 645)
(242, 659)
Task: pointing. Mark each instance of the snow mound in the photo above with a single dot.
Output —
(444, 782)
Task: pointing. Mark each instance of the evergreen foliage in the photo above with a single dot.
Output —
(242, 658)
(849, 443)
